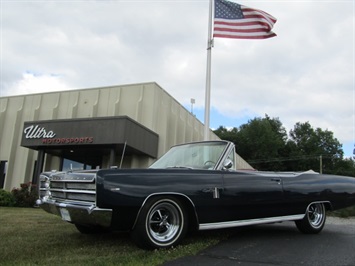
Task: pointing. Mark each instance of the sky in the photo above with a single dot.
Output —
(304, 74)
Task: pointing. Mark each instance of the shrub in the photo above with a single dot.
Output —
(345, 213)
(25, 196)
(6, 198)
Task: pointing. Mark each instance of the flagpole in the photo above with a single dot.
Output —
(208, 75)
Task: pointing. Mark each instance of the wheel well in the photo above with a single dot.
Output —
(186, 202)
(327, 205)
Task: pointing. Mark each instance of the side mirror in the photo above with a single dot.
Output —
(227, 164)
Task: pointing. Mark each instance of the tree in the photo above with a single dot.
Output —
(227, 134)
(345, 167)
(259, 139)
(309, 146)
(264, 143)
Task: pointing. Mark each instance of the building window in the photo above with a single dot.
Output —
(73, 165)
(3, 168)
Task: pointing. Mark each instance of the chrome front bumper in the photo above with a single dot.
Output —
(78, 213)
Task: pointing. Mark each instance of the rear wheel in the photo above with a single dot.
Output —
(162, 223)
(314, 220)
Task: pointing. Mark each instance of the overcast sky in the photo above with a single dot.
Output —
(306, 73)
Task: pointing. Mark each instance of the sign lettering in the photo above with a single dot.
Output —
(36, 132)
(49, 137)
(68, 140)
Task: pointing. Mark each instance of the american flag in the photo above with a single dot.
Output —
(232, 20)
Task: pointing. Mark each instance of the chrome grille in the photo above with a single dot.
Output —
(73, 187)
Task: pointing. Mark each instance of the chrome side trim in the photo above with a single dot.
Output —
(208, 226)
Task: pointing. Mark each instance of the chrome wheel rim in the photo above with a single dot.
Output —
(164, 222)
(316, 215)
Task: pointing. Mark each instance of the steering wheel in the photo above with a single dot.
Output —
(209, 163)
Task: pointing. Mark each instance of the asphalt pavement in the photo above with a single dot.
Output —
(281, 244)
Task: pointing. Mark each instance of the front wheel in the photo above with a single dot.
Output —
(314, 220)
(162, 223)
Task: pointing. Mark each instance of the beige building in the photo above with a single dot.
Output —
(91, 128)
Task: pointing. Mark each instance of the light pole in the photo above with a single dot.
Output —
(192, 105)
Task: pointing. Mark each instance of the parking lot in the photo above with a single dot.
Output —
(281, 244)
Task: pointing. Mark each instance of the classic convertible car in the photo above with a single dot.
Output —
(194, 186)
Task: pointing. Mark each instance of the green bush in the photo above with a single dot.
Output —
(25, 196)
(345, 213)
(6, 199)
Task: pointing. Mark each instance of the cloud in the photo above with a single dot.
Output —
(38, 83)
(306, 73)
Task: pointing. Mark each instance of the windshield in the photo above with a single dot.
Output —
(200, 155)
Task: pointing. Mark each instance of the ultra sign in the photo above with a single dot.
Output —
(37, 132)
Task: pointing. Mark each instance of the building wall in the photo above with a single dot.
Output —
(147, 103)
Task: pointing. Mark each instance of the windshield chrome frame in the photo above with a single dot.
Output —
(220, 164)
(224, 154)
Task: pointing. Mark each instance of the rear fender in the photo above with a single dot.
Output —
(327, 205)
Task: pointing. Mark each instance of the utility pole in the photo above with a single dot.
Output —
(320, 164)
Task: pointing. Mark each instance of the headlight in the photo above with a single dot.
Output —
(44, 186)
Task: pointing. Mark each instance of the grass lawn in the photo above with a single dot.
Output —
(30, 236)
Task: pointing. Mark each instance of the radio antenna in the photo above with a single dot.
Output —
(124, 149)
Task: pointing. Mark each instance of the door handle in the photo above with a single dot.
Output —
(278, 180)
(214, 191)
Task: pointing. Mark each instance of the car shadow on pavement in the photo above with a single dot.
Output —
(278, 244)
